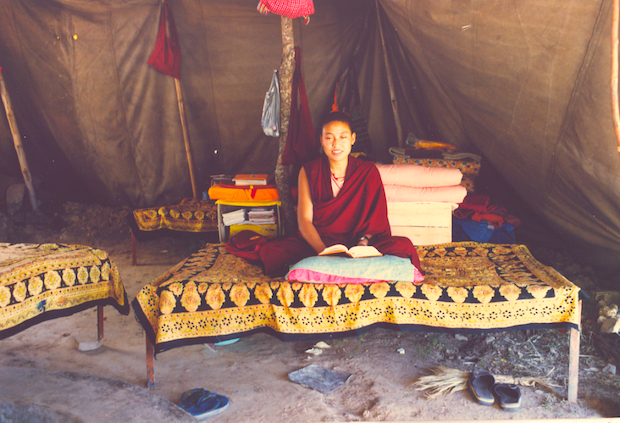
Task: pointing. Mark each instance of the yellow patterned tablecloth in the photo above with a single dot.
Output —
(44, 281)
(214, 295)
(190, 215)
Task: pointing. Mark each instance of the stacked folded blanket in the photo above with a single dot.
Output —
(243, 193)
(413, 183)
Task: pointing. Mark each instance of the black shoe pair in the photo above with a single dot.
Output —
(484, 389)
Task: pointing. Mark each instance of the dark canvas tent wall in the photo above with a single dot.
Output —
(525, 83)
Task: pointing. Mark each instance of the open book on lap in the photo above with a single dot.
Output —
(355, 252)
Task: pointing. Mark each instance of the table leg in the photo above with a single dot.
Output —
(150, 363)
(134, 253)
(573, 364)
(99, 323)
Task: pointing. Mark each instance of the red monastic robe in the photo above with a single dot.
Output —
(360, 208)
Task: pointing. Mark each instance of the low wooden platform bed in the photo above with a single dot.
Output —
(40, 282)
(468, 288)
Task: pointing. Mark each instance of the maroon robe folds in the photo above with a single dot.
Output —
(360, 208)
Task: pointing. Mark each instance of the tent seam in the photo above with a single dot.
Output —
(452, 110)
(122, 106)
(218, 144)
(585, 65)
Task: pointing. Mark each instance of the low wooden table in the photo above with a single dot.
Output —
(189, 215)
(468, 288)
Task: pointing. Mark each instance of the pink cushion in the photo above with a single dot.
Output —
(447, 194)
(307, 275)
(419, 176)
(324, 269)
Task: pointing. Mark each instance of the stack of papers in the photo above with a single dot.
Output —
(261, 216)
(233, 217)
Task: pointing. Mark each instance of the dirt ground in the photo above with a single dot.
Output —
(253, 372)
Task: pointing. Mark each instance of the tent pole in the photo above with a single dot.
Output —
(182, 115)
(388, 69)
(188, 147)
(614, 70)
(286, 82)
(17, 140)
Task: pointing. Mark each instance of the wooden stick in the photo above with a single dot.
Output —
(150, 363)
(388, 69)
(573, 363)
(134, 247)
(615, 113)
(17, 141)
(99, 323)
(286, 82)
(188, 147)
(183, 116)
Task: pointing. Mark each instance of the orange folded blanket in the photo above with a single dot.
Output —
(243, 193)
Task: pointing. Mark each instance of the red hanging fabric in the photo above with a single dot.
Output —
(301, 144)
(289, 8)
(166, 56)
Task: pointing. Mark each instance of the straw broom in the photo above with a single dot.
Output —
(445, 380)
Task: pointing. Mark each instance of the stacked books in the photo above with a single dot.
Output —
(261, 216)
(233, 217)
(251, 179)
(221, 180)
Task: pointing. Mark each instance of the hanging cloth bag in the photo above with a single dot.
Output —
(270, 121)
(301, 144)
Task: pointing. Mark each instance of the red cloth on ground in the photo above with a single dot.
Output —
(479, 208)
(360, 208)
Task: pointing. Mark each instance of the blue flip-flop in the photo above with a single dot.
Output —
(509, 396)
(209, 405)
(191, 397)
(481, 386)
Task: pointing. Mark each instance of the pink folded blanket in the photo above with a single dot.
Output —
(447, 194)
(419, 176)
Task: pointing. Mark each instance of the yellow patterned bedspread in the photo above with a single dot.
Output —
(190, 215)
(42, 281)
(214, 295)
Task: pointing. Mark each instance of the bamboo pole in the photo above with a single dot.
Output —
(287, 66)
(17, 141)
(183, 116)
(614, 71)
(188, 147)
(390, 79)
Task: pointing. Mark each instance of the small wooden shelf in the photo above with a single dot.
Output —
(224, 206)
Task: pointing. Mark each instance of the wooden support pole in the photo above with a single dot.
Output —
(573, 364)
(188, 147)
(134, 248)
(99, 323)
(17, 141)
(183, 116)
(286, 82)
(150, 363)
(388, 69)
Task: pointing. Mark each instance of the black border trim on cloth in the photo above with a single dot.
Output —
(144, 322)
(285, 337)
(55, 314)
